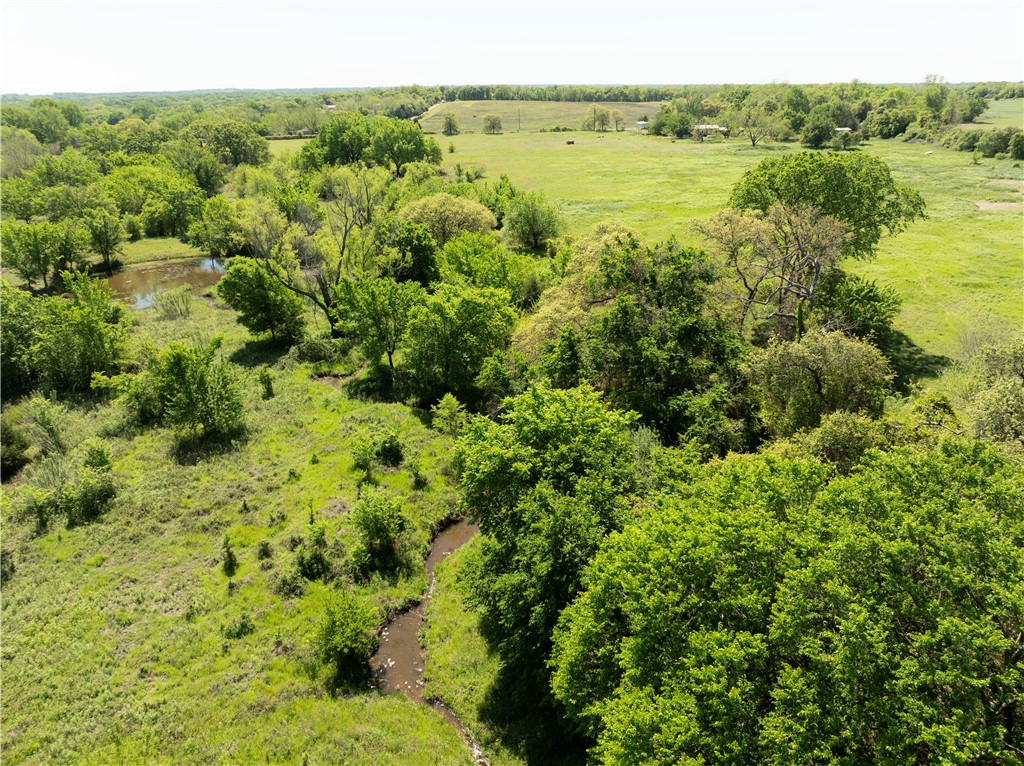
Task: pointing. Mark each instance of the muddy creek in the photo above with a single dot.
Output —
(398, 664)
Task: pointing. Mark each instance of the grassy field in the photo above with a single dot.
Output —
(529, 116)
(961, 267)
(1006, 113)
(285, 147)
(157, 249)
(459, 665)
(116, 642)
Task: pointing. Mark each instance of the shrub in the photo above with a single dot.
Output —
(240, 627)
(229, 561)
(344, 640)
(316, 349)
(311, 559)
(13, 448)
(174, 304)
(379, 520)
(389, 450)
(202, 393)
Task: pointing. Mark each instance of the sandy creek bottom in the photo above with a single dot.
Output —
(398, 664)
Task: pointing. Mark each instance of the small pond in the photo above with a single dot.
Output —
(137, 287)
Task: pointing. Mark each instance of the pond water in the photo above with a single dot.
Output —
(138, 287)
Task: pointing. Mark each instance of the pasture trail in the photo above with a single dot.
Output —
(398, 664)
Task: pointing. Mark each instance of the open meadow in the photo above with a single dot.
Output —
(530, 116)
(127, 640)
(961, 267)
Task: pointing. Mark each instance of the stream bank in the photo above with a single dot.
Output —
(398, 664)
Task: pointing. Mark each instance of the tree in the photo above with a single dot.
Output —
(857, 189)
(20, 152)
(376, 310)
(480, 260)
(449, 125)
(31, 249)
(546, 482)
(233, 142)
(413, 254)
(656, 344)
(775, 619)
(71, 240)
(819, 128)
(396, 143)
(997, 400)
(450, 336)
(492, 123)
(753, 119)
(106, 235)
(446, 216)
(598, 118)
(201, 393)
(262, 302)
(800, 382)
(80, 337)
(531, 220)
(779, 257)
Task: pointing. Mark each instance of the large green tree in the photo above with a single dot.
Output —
(262, 302)
(450, 336)
(546, 482)
(854, 188)
(376, 310)
(766, 618)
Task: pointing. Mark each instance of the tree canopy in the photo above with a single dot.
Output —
(857, 189)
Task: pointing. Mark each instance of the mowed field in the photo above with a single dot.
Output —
(1008, 113)
(530, 116)
(961, 268)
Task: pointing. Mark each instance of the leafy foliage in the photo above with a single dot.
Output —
(452, 333)
(344, 639)
(800, 382)
(263, 303)
(857, 189)
(546, 483)
(767, 619)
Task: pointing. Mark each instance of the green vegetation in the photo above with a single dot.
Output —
(686, 383)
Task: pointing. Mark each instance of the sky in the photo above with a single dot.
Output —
(103, 47)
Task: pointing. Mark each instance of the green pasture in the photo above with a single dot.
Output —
(1006, 113)
(530, 116)
(114, 641)
(285, 146)
(157, 249)
(961, 267)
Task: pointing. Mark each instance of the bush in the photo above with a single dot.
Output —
(202, 393)
(344, 639)
(317, 349)
(311, 559)
(995, 142)
(379, 520)
(389, 450)
(174, 304)
(240, 627)
(13, 448)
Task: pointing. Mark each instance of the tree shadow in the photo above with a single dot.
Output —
(259, 352)
(910, 362)
(377, 384)
(530, 723)
(191, 449)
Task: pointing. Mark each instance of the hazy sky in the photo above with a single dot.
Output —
(50, 47)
